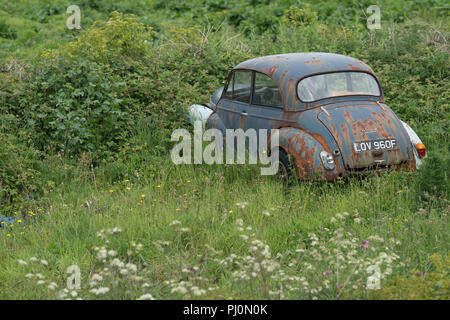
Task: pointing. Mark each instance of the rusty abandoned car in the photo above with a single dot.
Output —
(329, 109)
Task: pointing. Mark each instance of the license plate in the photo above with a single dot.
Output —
(374, 145)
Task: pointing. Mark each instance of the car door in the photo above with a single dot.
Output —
(233, 107)
(266, 108)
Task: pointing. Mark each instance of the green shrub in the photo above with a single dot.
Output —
(299, 16)
(110, 42)
(7, 31)
(433, 176)
(419, 285)
(74, 105)
(19, 173)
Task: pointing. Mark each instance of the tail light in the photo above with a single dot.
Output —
(421, 150)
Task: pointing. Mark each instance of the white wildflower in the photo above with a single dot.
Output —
(146, 296)
(174, 223)
(117, 262)
(181, 290)
(52, 286)
(99, 291)
(112, 253)
(96, 277)
(198, 292)
(101, 253)
(132, 267)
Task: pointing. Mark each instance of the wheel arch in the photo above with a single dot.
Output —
(305, 150)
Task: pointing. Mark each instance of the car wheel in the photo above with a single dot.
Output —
(286, 168)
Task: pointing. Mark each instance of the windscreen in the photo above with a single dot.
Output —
(337, 84)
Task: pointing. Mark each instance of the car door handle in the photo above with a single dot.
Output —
(243, 113)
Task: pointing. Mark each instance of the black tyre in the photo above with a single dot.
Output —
(286, 170)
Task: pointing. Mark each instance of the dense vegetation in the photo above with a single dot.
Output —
(85, 123)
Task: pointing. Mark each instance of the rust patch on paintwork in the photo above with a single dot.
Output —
(355, 68)
(306, 154)
(313, 61)
(241, 121)
(270, 71)
(230, 115)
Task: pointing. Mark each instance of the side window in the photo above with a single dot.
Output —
(242, 86)
(266, 92)
(229, 92)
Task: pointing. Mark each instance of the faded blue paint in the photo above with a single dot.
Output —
(331, 124)
(357, 121)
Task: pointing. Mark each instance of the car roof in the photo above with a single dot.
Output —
(288, 69)
(301, 65)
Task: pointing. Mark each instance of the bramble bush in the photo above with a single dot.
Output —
(19, 173)
(89, 94)
(74, 105)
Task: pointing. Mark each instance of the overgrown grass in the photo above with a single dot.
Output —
(208, 201)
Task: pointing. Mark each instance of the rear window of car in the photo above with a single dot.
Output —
(337, 84)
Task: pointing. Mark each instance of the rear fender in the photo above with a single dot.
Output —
(305, 150)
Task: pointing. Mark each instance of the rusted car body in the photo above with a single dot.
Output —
(329, 109)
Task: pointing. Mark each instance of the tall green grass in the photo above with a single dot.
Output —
(208, 201)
